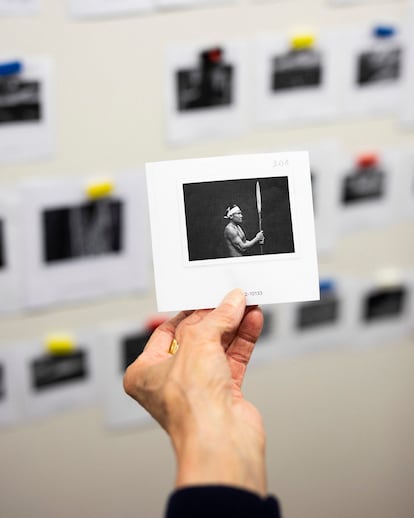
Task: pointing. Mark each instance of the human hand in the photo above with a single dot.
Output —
(196, 396)
(260, 237)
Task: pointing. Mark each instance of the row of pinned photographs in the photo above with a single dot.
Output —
(214, 90)
(282, 79)
(87, 368)
(69, 239)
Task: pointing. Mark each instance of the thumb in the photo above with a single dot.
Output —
(224, 321)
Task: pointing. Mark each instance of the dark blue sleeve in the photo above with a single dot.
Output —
(220, 501)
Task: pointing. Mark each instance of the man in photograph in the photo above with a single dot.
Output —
(234, 235)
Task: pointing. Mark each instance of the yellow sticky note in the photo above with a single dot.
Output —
(99, 189)
(60, 343)
(302, 41)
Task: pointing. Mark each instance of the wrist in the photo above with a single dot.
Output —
(220, 455)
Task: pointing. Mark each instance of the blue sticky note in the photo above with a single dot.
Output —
(10, 68)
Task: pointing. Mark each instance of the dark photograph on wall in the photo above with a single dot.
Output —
(90, 229)
(20, 100)
(384, 303)
(296, 69)
(51, 371)
(132, 346)
(363, 184)
(318, 313)
(379, 66)
(208, 85)
(2, 246)
(238, 218)
(2, 383)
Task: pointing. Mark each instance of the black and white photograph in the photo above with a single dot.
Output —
(50, 371)
(208, 85)
(132, 346)
(2, 246)
(363, 184)
(90, 229)
(379, 66)
(20, 100)
(386, 303)
(298, 68)
(238, 218)
(323, 312)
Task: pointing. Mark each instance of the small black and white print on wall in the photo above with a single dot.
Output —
(373, 69)
(298, 68)
(364, 183)
(384, 303)
(2, 246)
(49, 371)
(206, 91)
(132, 346)
(207, 85)
(89, 229)
(223, 220)
(26, 122)
(324, 312)
(20, 100)
(382, 64)
(295, 78)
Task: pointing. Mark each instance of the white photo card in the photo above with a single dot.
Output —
(206, 216)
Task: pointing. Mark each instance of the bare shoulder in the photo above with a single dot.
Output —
(230, 231)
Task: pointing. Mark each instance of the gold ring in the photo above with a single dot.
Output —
(173, 347)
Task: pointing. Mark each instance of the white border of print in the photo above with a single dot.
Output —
(280, 278)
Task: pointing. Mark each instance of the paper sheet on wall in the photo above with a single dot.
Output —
(19, 7)
(373, 68)
(27, 129)
(53, 383)
(91, 8)
(206, 94)
(121, 346)
(11, 252)
(10, 402)
(81, 247)
(295, 83)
